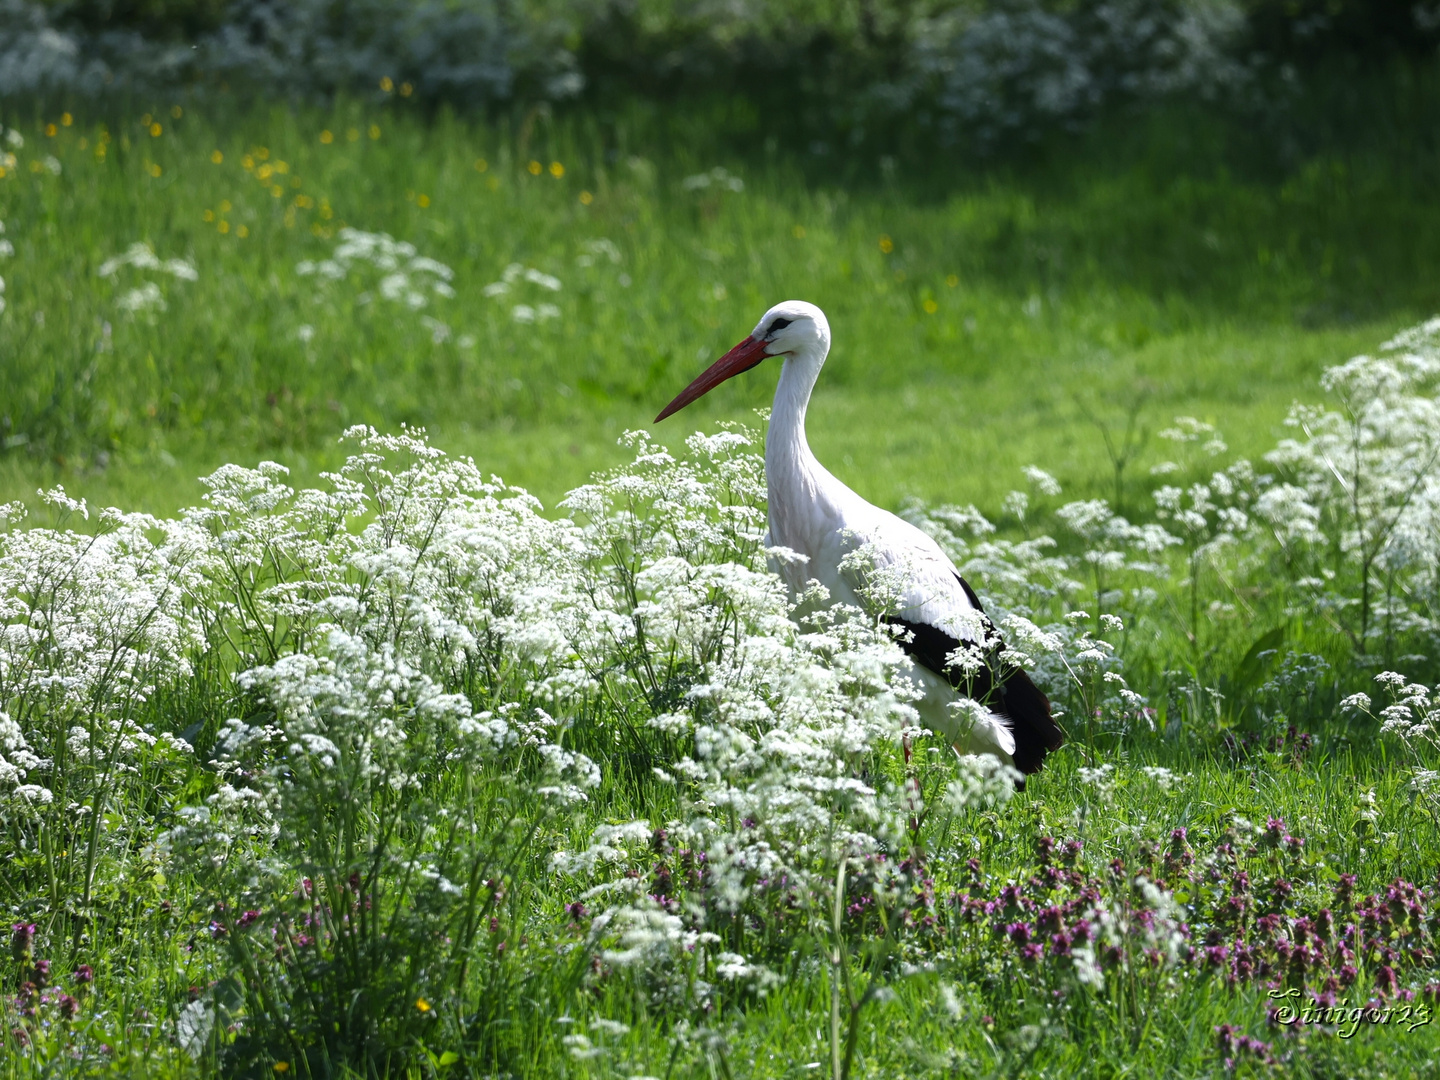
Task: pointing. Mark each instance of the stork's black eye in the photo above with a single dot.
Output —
(777, 326)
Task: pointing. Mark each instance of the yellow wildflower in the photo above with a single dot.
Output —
(327, 136)
(156, 130)
(586, 198)
(557, 170)
(386, 84)
(534, 168)
(217, 157)
(66, 119)
(886, 244)
(481, 164)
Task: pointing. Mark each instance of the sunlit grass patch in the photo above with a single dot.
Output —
(973, 334)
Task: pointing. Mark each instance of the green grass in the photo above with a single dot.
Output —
(1062, 296)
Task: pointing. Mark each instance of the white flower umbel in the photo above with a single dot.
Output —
(147, 297)
(1363, 480)
(716, 179)
(142, 257)
(393, 268)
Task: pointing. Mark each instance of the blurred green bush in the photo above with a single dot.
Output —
(976, 71)
(165, 19)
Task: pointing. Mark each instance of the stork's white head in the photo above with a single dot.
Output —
(793, 329)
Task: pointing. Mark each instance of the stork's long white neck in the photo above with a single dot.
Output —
(802, 493)
(785, 444)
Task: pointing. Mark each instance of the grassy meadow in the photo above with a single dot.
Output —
(406, 776)
(983, 321)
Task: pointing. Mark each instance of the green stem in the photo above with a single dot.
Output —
(836, 961)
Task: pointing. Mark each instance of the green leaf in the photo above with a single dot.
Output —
(1258, 660)
(449, 1057)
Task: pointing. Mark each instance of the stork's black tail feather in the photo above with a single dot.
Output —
(1006, 688)
(1027, 708)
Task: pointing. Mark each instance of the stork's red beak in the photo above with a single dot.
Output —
(742, 357)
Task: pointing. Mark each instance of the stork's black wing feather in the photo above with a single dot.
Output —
(1003, 686)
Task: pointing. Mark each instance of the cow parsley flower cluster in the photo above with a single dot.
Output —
(517, 277)
(1358, 514)
(716, 179)
(94, 627)
(1412, 718)
(414, 630)
(1344, 524)
(147, 296)
(406, 277)
(771, 725)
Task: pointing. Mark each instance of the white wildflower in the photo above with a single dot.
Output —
(1041, 480)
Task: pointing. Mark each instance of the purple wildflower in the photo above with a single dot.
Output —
(22, 941)
(1386, 981)
(1345, 890)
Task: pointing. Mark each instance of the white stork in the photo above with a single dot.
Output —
(955, 649)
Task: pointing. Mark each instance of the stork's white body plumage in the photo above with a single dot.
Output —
(821, 520)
